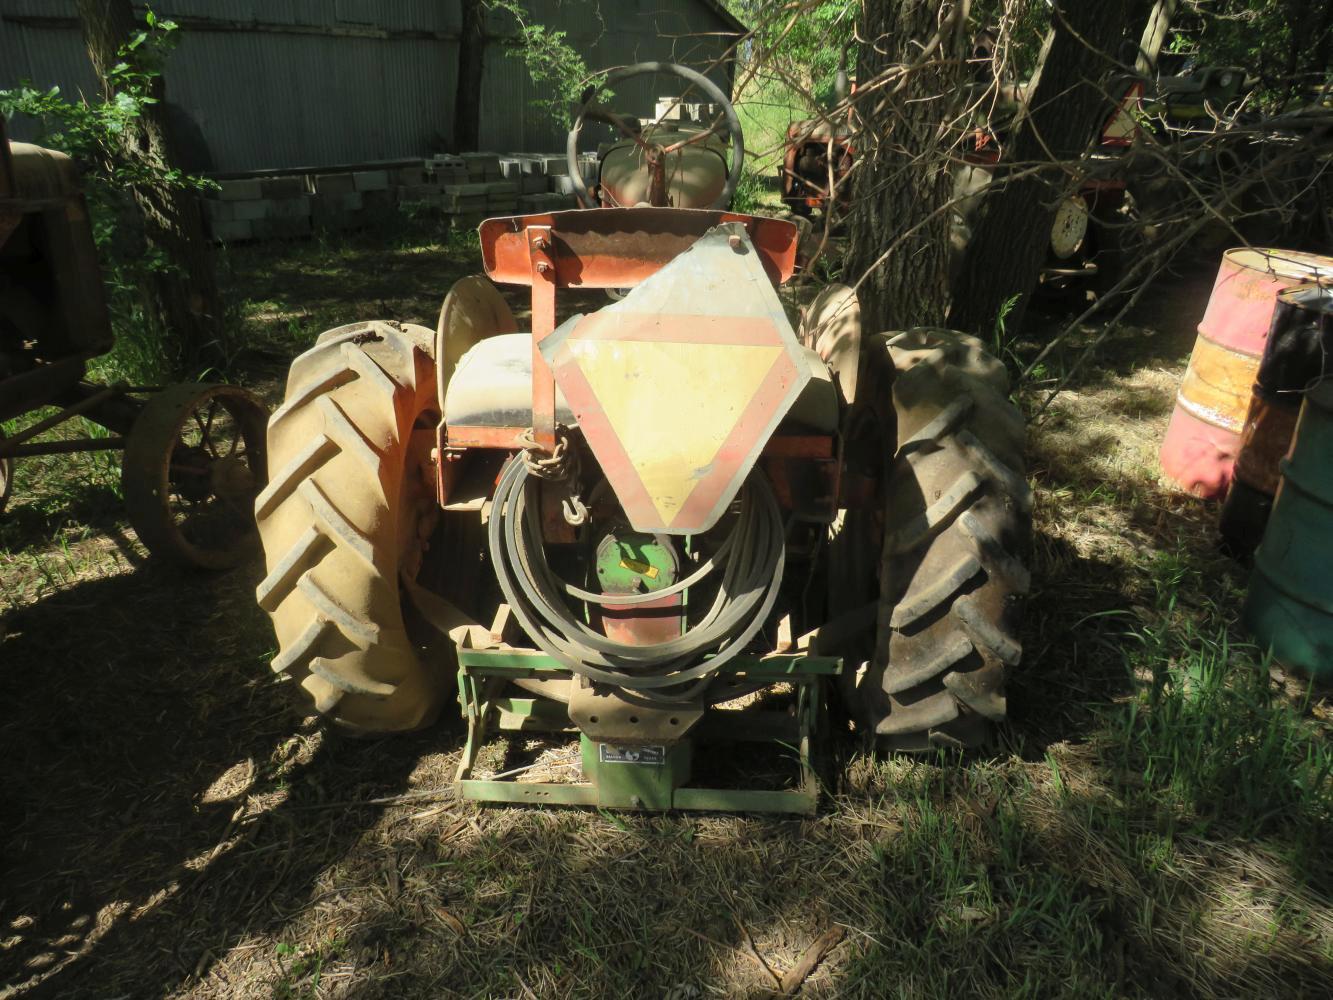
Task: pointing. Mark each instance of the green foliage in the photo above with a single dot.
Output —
(1286, 44)
(800, 43)
(98, 134)
(556, 69)
(748, 198)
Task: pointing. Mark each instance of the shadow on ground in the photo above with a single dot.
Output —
(140, 716)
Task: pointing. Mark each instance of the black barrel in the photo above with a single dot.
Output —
(1298, 354)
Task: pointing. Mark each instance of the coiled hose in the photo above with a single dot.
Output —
(751, 560)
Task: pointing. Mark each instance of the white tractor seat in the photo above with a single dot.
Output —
(492, 387)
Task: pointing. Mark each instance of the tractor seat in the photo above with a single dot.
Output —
(492, 387)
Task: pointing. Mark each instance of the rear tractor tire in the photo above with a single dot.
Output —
(957, 520)
(348, 505)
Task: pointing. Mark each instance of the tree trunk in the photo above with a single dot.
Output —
(471, 64)
(184, 294)
(1067, 109)
(902, 171)
(1154, 36)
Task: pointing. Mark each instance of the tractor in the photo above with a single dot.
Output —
(193, 453)
(817, 157)
(672, 530)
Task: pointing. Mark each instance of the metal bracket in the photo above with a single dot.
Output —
(541, 254)
(611, 716)
(651, 775)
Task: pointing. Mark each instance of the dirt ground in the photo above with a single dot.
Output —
(172, 828)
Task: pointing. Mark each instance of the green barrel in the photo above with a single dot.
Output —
(1290, 604)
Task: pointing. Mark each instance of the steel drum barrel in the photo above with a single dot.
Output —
(1297, 355)
(1203, 437)
(1290, 603)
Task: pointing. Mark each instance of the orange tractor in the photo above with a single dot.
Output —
(663, 528)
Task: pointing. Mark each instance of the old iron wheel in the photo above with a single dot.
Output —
(6, 478)
(343, 521)
(1070, 227)
(194, 461)
(956, 523)
(732, 125)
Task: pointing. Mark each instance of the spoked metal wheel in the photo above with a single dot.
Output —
(6, 479)
(194, 463)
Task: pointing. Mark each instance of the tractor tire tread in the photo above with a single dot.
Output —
(330, 523)
(957, 516)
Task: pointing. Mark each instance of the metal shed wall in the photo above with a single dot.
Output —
(684, 31)
(263, 84)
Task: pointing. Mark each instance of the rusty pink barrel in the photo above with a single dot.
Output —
(1203, 437)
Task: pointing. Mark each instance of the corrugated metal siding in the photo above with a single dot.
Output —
(333, 89)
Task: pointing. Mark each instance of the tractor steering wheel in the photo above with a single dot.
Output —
(590, 110)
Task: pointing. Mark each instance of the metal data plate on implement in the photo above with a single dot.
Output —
(678, 386)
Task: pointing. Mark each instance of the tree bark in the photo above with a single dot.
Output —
(471, 65)
(909, 75)
(1066, 111)
(184, 294)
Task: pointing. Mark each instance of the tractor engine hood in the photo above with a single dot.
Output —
(694, 175)
(678, 386)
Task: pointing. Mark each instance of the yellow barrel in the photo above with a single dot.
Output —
(1203, 437)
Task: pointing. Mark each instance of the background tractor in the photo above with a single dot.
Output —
(194, 453)
(668, 524)
(817, 157)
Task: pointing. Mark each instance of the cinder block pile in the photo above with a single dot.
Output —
(465, 188)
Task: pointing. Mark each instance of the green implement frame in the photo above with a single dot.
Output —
(652, 777)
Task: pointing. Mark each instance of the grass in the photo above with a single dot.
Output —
(1154, 824)
(766, 109)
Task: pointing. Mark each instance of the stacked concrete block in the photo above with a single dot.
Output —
(284, 187)
(223, 223)
(405, 177)
(465, 197)
(502, 197)
(337, 212)
(240, 190)
(371, 180)
(333, 183)
(562, 184)
(482, 166)
(588, 167)
(466, 188)
(427, 195)
(444, 169)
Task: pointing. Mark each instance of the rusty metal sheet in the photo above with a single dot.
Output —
(620, 247)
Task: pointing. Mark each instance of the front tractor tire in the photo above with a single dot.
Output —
(348, 504)
(957, 522)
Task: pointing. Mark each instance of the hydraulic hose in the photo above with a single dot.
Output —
(750, 560)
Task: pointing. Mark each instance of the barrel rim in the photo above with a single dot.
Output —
(1291, 263)
(1321, 302)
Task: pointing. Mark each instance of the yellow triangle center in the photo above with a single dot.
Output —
(672, 405)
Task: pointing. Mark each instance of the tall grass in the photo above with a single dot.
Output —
(1213, 735)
